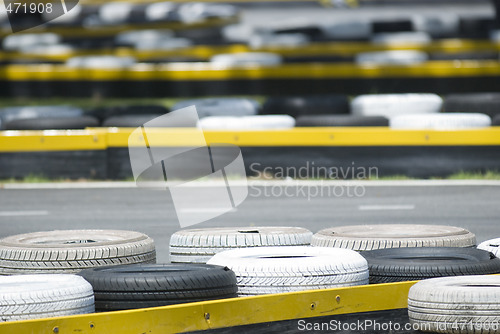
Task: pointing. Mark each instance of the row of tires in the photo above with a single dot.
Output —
(400, 111)
(241, 262)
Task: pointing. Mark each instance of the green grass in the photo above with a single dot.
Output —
(489, 175)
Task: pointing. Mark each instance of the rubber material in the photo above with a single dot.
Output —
(135, 110)
(484, 103)
(69, 251)
(416, 263)
(258, 122)
(370, 237)
(263, 270)
(390, 105)
(221, 106)
(464, 304)
(25, 112)
(131, 121)
(404, 38)
(496, 121)
(306, 105)
(449, 121)
(52, 123)
(44, 296)
(341, 120)
(246, 59)
(492, 246)
(199, 245)
(392, 26)
(150, 285)
(394, 57)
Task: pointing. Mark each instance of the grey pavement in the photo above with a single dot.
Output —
(313, 205)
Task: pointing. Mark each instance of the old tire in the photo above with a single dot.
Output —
(43, 296)
(450, 121)
(296, 106)
(69, 251)
(484, 103)
(389, 105)
(492, 246)
(53, 123)
(150, 285)
(258, 122)
(416, 263)
(370, 237)
(199, 245)
(341, 120)
(462, 304)
(264, 270)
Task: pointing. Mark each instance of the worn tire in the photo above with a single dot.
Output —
(44, 296)
(150, 285)
(492, 246)
(263, 270)
(69, 251)
(464, 304)
(450, 121)
(341, 120)
(296, 106)
(484, 103)
(416, 263)
(199, 245)
(53, 123)
(390, 105)
(370, 237)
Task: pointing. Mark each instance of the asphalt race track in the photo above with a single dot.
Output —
(314, 205)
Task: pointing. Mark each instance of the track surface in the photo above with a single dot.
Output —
(475, 207)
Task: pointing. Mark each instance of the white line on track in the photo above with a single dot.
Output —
(386, 207)
(23, 213)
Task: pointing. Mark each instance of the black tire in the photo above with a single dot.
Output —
(341, 120)
(150, 285)
(303, 105)
(104, 113)
(408, 264)
(53, 123)
(496, 121)
(476, 27)
(392, 26)
(25, 112)
(484, 103)
(128, 121)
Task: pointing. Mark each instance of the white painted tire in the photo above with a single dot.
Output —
(448, 121)
(278, 40)
(348, 30)
(370, 237)
(437, 26)
(115, 12)
(100, 62)
(224, 106)
(395, 57)
(133, 36)
(246, 59)
(23, 41)
(402, 38)
(159, 11)
(260, 122)
(73, 250)
(389, 105)
(43, 296)
(199, 245)
(461, 304)
(265, 270)
(492, 246)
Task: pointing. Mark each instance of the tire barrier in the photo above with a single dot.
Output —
(476, 27)
(371, 237)
(409, 264)
(199, 245)
(402, 38)
(264, 270)
(390, 105)
(352, 30)
(462, 304)
(44, 296)
(52, 123)
(20, 42)
(306, 105)
(396, 57)
(491, 246)
(278, 40)
(41, 112)
(450, 121)
(442, 26)
(341, 120)
(258, 122)
(484, 103)
(150, 285)
(128, 110)
(246, 59)
(69, 251)
(496, 121)
(132, 37)
(131, 121)
(100, 62)
(221, 106)
(392, 25)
